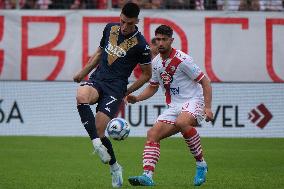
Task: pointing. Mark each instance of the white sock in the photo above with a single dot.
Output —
(201, 163)
(96, 142)
(114, 166)
(148, 173)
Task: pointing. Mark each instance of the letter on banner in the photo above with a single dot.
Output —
(269, 47)
(208, 40)
(45, 49)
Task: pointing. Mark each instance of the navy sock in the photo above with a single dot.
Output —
(106, 142)
(88, 119)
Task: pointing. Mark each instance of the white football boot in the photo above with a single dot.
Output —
(116, 176)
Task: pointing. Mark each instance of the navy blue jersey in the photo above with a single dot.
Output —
(121, 54)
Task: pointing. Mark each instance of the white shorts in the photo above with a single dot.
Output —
(193, 106)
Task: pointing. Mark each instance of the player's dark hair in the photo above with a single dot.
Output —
(164, 30)
(131, 10)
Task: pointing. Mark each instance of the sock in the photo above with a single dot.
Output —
(151, 157)
(88, 119)
(201, 163)
(96, 142)
(192, 139)
(106, 142)
(115, 166)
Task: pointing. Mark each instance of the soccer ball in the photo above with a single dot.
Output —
(118, 129)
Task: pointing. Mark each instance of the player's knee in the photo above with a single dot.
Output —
(81, 98)
(184, 125)
(179, 123)
(184, 120)
(101, 131)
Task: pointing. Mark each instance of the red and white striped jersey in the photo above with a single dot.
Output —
(178, 76)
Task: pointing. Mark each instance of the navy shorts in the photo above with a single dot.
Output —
(111, 95)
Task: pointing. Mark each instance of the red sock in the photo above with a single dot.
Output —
(151, 156)
(192, 139)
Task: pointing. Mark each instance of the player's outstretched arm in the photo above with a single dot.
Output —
(144, 78)
(148, 92)
(207, 92)
(92, 63)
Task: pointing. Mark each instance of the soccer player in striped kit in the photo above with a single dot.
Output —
(188, 94)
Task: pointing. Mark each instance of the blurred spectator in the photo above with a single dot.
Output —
(84, 4)
(271, 5)
(199, 5)
(2, 4)
(249, 5)
(158, 4)
(185, 4)
(8, 4)
(140, 3)
(154, 4)
(210, 4)
(61, 4)
(118, 3)
(231, 5)
(30, 4)
(43, 4)
(102, 4)
(235, 5)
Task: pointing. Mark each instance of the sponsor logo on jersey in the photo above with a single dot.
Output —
(174, 91)
(114, 50)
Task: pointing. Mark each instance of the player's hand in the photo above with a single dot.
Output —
(131, 99)
(208, 114)
(78, 78)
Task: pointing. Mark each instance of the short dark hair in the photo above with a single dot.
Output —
(164, 30)
(131, 10)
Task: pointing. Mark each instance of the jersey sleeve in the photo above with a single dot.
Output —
(102, 42)
(155, 76)
(192, 70)
(145, 56)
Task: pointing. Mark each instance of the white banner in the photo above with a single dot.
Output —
(228, 46)
(49, 109)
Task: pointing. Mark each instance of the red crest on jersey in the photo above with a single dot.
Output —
(166, 77)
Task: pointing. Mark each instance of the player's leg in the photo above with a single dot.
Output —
(151, 154)
(101, 122)
(107, 107)
(190, 116)
(87, 94)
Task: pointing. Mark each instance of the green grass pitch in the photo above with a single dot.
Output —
(67, 162)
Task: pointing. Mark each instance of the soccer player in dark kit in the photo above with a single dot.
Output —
(121, 48)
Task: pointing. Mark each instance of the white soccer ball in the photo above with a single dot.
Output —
(118, 129)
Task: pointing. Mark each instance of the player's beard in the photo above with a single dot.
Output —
(163, 50)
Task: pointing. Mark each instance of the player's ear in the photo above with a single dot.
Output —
(137, 21)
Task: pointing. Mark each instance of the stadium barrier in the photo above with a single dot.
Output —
(49, 109)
